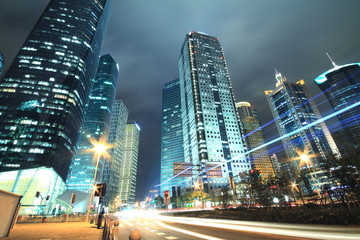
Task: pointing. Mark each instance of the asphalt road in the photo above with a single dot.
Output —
(154, 226)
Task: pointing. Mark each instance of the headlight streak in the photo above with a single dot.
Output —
(187, 232)
(270, 228)
(331, 115)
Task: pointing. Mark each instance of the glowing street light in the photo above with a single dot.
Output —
(304, 157)
(99, 149)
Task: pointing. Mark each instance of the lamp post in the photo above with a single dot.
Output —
(99, 149)
(305, 158)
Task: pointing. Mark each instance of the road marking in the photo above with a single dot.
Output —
(153, 230)
(203, 236)
(121, 225)
(140, 223)
(161, 233)
(147, 228)
(171, 238)
(131, 225)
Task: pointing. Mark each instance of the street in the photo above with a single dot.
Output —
(155, 226)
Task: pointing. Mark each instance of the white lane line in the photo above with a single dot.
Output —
(161, 233)
(171, 238)
(153, 230)
(203, 236)
(130, 224)
(147, 228)
(140, 223)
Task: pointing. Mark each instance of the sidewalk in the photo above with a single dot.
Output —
(47, 231)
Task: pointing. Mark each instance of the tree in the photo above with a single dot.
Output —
(224, 197)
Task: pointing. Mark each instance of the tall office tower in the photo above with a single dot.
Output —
(44, 92)
(1, 63)
(341, 86)
(211, 128)
(116, 139)
(172, 152)
(95, 128)
(293, 109)
(128, 169)
(253, 138)
(275, 164)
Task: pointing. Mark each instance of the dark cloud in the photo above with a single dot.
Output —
(145, 38)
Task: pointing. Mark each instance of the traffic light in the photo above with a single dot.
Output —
(100, 190)
(73, 199)
(37, 194)
(47, 197)
(166, 194)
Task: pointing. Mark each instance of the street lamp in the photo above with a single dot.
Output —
(99, 149)
(305, 158)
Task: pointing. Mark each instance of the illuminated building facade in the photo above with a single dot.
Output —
(1, 63)
(341, 86)
(172, 151)
(44, 92)
(254, 137)
(292, 110)
(211, 128)
(95, 128)
(116, 139)
(129, 161)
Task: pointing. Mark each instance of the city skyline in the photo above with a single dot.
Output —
(284, 45)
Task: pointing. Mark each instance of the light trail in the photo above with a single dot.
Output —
(194, 234)
(273, 141)
(292, 230)
(323, 119)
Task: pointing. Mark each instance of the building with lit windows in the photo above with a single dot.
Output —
(292, 110)
(95, 128)
(172, 152)
(253, 138)
(211, 130)
(45, 90)
(341, 86)
(1, 63)
(128, 168)
(116, 140)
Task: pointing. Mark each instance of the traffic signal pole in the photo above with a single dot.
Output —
(71, 199)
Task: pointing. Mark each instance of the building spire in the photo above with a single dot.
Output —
(333, 63)
(279, 78)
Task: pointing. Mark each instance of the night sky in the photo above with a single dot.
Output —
(257, 36)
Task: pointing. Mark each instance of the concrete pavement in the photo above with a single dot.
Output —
(47, 231)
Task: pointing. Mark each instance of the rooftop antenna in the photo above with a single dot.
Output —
(333, 63)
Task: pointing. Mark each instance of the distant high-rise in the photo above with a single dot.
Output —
(95, 128)
(128, 169)
(341, 86)
(254, 137)
(211, 128)
(45, 90)
(111, 173)
(172, 151)
(293, 109)
(1, 63)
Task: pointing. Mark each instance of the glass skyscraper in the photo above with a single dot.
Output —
(341, 86)
(116, 138)
(44, 92)
(293, 109)
(172, 151)
(211, 128)
(1, 63)
(253, 138)
(95, 128)
(128, 169)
